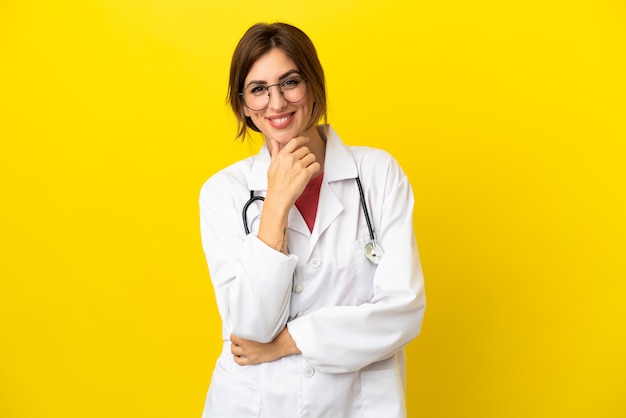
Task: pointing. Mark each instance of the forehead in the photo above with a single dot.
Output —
(271, 66)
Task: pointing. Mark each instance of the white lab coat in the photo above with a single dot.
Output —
(349, 317)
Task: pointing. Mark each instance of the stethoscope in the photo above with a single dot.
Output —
(373, 251)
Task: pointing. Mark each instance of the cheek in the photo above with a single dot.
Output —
(310, 105)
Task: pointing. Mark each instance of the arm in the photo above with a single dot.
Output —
(337, 339)
(252, 275)
(252, 282)
(288, 174)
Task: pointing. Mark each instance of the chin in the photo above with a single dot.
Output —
(283, 136)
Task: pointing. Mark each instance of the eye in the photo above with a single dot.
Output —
(257, 90)
(291, 83)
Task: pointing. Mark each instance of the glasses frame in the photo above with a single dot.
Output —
(280, 88)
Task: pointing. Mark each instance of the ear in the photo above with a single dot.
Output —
(246, 111)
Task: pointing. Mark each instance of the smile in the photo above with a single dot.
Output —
(280, 121)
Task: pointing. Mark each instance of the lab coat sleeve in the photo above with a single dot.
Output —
(252, 281)
(338, 339)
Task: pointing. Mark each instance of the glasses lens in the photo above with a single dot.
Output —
(257, 97)
(293, 89)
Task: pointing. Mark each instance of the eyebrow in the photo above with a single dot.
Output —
(282, 77)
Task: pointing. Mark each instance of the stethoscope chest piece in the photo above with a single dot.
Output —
(374, 252)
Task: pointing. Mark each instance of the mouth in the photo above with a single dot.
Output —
(280, 121)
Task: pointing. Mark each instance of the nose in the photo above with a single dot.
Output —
(276, 99)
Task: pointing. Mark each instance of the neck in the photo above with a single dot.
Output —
(317, 145)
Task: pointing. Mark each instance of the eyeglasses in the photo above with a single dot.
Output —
(256, 97)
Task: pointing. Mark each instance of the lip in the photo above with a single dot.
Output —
(280, 121)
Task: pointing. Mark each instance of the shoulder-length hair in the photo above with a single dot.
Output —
(258, 40)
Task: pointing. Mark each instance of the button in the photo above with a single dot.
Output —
(315, 263)
(299, 288)
(309, 372)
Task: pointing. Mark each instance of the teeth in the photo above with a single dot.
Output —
(281, 120)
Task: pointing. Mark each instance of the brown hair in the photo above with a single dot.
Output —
(258, 40)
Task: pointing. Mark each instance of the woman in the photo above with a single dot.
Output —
(315, 314)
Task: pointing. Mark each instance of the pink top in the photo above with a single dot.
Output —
(307, 202)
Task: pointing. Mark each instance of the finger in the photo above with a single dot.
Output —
(308, 159)
(235, 349)
(302, 152)
(313, 168)
(274, 147)
(295, 143)
(241, 361)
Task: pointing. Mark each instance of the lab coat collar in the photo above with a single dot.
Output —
(338, 164)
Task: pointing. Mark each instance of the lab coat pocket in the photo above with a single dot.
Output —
(365, 271)
(230, 397)
(383, 393)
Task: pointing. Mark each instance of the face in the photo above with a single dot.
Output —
(280, 120)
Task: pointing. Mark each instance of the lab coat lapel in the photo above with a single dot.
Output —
(328, 210)
(257, 180)
(338, 165)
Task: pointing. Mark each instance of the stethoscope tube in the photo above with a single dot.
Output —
(245, 210)
(373, 251)
(365, 211)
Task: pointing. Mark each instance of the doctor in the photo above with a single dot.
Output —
(311, 252)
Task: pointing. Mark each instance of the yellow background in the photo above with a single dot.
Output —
(508, 117)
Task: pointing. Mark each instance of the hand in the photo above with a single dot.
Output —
(290, 170)
(247, 352)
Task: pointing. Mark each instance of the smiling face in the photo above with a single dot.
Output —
(280, 120)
